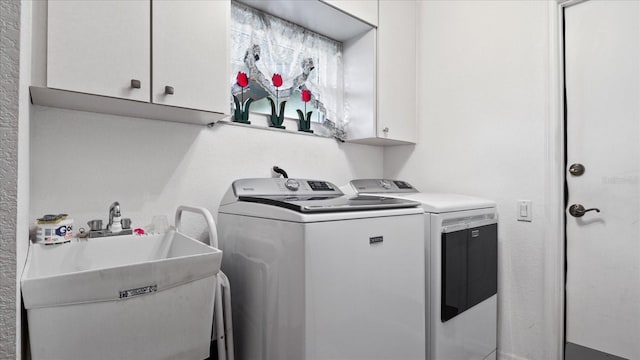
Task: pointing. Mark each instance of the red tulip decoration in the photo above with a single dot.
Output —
(242, 79)
(241, 113)
(277, 80)
(304, 123)
(306, 97)
(276, 119)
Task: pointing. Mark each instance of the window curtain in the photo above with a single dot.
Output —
(262, 44)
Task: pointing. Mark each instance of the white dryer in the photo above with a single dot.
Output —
(461, 244)
(316, 275)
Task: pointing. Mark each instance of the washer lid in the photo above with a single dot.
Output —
(320, 204)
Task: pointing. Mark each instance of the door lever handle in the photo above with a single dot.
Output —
(577, 210)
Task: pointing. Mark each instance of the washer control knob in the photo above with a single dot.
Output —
(385, 184)
(292, 185)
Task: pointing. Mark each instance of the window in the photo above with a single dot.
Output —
(262, 45)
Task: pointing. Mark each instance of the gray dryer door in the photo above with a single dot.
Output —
(469, 269)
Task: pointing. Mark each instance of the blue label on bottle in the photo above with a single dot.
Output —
(62, 230)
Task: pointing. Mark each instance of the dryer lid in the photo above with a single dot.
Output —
(431, 202)
(382, 186)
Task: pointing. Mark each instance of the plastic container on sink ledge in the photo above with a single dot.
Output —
(122, 297)
(54, 229)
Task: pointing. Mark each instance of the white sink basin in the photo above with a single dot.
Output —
(148, 296)
(98, 269)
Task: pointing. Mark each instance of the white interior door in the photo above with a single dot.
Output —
(602, 54)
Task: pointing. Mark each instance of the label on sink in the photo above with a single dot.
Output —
(125, 294)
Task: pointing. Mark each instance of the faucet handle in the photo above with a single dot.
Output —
(95, 225)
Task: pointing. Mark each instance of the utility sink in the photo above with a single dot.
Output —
(148, 296)
(100, 269)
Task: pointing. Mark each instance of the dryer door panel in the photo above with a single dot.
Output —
(454, 274)
(469, 269)
(482, 268)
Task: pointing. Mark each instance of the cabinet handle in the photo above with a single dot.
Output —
(135, 84)
(168, 90)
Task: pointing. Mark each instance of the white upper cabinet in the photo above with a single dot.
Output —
(171, 57)
(366, 10)
(396, 118)
(380, 78)
(99, 47)
(190, 54)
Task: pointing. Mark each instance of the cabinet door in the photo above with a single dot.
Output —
(366, 10)
(99, 47)
(191, 54)
(365, 299)
(396, 119)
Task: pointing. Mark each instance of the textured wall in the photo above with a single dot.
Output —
(9, 87)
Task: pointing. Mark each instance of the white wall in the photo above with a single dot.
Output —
(81, 162)
(484, 94)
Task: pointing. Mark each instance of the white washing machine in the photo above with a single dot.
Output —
(316, 275)
(461, 246)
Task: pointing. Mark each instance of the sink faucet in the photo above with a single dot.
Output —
(114, 211)
(116, 226)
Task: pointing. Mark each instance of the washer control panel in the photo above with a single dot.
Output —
(320, 186)
(282, 186)
(372, 186)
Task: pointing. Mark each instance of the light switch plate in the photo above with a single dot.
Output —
(524, 210)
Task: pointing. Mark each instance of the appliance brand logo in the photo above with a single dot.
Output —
(375, 240)
(248, 189)
(139, 291)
